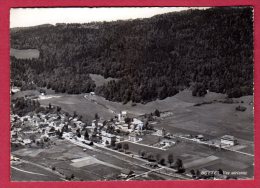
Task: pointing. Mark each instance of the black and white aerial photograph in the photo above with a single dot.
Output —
(132, 93)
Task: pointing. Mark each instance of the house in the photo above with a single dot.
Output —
(108, 138)
(121, 117)
(27, 141)
(228, 140)
(138, 124)
(124, 114)
(96, 124)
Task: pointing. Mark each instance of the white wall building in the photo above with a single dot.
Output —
(107, 137)
(228, 140)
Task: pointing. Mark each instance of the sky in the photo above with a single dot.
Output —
(24, 17)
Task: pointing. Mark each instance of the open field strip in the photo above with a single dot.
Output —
(28, 172)
(241, 152)
(208, 144)
(142, 144)
(85, 161)
(202, 162)
(44, 168)
(102, 105)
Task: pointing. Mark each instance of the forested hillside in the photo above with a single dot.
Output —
(153, 58)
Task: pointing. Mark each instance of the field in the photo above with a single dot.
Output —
(197, 156)
(88, 106)
(29, 172)
(25, 54)
(213, 120)
(69, 159)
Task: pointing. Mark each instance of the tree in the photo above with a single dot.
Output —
(86, 135)
(128, 120)
(58, 109)
(59, 133)
(158, 157)
(170, 159)
(162, 161)
(220, 171)
(192, 171)
(78, 133)
(113, 143)
(150, 157)
(65, 128)
(119, 146)
(50, 106)
(96, 116)
(157, 113)
(143, 153)
(75, 114)
(80, 117)
(198, 174)
(179, 166)
(125, 147)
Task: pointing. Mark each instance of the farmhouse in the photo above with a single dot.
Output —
(228, 140)
(107, 137)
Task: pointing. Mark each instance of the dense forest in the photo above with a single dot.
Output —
(152, 58)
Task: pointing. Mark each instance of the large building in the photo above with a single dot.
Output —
(228, 140)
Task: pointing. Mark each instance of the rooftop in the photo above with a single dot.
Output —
(228, 137)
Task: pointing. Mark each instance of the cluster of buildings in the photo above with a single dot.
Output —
(117, 129)
(39, 127)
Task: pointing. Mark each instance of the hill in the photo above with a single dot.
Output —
(151, 58)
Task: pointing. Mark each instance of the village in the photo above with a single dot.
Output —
(135, 137)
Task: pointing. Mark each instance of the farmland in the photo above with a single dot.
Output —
(90, 165)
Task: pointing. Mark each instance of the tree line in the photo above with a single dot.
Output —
(152, 58)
